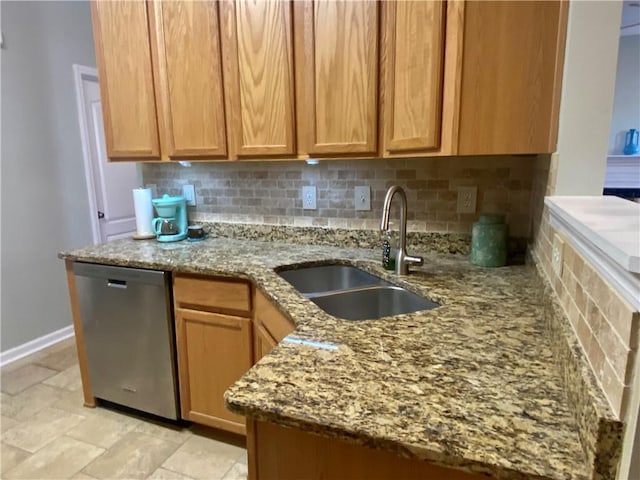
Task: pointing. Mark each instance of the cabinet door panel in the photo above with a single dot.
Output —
(276, 324)
(258, 46)
(263, 342)
(189, 71)
(123, 56)
(414, 59)
(512, 64)
(340, 76)
(213, 352)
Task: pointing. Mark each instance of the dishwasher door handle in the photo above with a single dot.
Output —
(122, 284)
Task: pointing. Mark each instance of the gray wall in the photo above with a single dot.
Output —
(626, 102)
(43, 196)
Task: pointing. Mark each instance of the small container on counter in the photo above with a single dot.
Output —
(489, 240)
(195, 233)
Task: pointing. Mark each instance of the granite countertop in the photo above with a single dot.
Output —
(471, 384)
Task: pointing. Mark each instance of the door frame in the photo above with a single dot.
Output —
(81, 72)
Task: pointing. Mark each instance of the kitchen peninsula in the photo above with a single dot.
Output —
(471, 387)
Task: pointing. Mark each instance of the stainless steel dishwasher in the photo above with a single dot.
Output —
(128, 332)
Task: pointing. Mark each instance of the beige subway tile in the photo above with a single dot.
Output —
(580, 298)
(578, 266)
(624, 320)
(447, 216)
(436, 226)
(613, 388)
(594, 317)
(320, 222)
(619, 355)
(584, 336)
(302, 221)
(414, 225)
(356, 224)
(588, 279)
(457, 227)
(573, 313)
(568, 254)
(338, 222)
(558, 286)
(596, 356)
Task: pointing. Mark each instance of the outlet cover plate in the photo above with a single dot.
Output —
(467, 197)
(309, 198)
(189, 193)
(363, 198)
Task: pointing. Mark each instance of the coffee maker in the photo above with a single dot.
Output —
(171, 223)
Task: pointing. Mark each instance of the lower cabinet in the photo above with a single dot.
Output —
(263, 342)
(213, 352)
(280, 453)
(214, 349)
(221, 331)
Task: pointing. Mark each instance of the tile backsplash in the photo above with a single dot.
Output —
(270, 192)
(605, 325)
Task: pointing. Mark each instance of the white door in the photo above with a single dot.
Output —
(110, 185)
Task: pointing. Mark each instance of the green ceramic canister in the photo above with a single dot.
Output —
(489, 241)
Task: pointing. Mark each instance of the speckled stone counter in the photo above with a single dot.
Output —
(471, 384)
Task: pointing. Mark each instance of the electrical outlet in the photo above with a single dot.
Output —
(309, 198)
(363, 198)
(467, 199)
(189, 194)
(557, 254)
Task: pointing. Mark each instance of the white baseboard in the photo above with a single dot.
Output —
(16, 353)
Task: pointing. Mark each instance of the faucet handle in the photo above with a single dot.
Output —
(411, 260)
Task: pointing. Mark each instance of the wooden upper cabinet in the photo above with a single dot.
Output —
(123, 56)
(337, 76)
(259, 83)
(189, 79)
(511, 85)
(413, 52)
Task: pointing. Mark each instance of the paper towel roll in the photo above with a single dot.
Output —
(144, 210)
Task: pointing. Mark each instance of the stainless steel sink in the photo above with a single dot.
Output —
(352, 294)
(372, 302)
(329, 278)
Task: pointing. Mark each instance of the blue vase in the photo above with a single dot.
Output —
(631, 142)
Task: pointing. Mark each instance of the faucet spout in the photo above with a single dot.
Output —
(403, 260)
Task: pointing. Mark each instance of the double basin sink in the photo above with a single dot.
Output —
(352, 294)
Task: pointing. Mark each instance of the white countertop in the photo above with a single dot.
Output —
(607, 230)
(610, 223)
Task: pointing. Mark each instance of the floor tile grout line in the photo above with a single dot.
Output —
(230, 468)
(40, 361)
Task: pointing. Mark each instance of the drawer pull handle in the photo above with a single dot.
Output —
(117, 283)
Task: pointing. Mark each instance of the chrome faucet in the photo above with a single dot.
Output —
(403, 259)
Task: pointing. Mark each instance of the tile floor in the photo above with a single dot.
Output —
(47, 433)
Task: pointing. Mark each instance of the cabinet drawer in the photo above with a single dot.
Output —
(276, 324)
(211, 294)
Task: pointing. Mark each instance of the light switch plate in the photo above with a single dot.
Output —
(309, 198)
(189, 193)
(557, 254)
(467, 199)
(363, 198)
